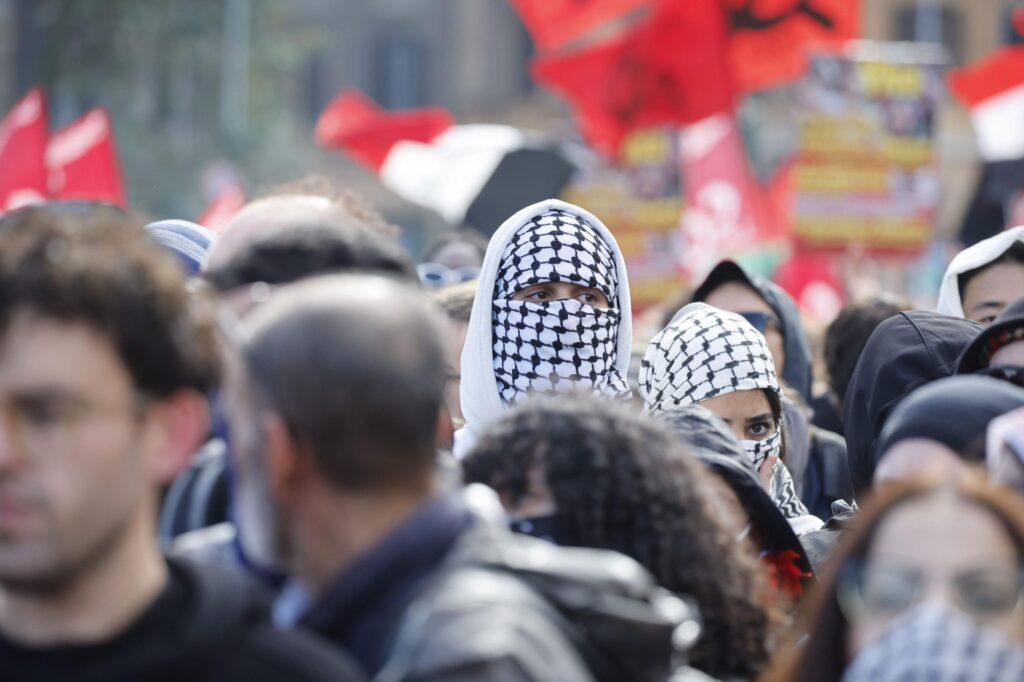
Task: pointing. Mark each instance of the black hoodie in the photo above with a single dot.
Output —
(205, 625)
(797, 370)
(905, 352)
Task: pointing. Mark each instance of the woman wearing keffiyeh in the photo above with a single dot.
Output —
(717, 359)
(551, 315)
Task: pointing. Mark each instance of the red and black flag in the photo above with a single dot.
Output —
(769, 39)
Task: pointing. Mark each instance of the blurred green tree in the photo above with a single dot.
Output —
(187, 83)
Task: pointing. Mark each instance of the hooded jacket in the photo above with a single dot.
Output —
(954, 411)
(481, 402)
(972, 258)
(797, 370)
(207, 625)
(905, 352)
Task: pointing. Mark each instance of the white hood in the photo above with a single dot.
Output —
(976, 256)
(481, 403)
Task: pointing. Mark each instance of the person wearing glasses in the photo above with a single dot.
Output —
(816, 457)
(927, 586)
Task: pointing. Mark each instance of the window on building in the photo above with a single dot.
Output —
(400, 70)
(947, 22)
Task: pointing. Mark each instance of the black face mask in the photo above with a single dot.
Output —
(547, 527)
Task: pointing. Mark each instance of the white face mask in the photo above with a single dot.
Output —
(937, 643)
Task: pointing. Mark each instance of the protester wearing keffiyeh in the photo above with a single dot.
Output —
(705, 353)
(515, 348)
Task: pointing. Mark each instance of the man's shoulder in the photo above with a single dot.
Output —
(232, 636)
(266, 653)
(477, 618)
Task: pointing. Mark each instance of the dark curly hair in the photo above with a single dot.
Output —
(96, 264)
(849, 333)
(622, 482)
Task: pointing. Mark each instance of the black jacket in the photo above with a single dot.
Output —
(207, 625)
(905, 352)
(456, 597)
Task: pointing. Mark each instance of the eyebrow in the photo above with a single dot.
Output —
(988, 304)
(760, 417)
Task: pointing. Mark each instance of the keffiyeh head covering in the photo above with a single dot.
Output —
(705, 353)
(582, 239)
(557, 346)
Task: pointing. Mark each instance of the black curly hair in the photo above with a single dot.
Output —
(849, 333)
(623, 482)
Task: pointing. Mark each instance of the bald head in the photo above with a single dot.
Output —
(272, 215)
(355, 365)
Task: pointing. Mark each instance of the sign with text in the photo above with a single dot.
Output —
(866, 172)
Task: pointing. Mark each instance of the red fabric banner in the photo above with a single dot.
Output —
(24, 133)
(555, 23)
(355, 124)
(82, 161)
(727, 211)
(1001, 71)
(769, 39)
(669, 69)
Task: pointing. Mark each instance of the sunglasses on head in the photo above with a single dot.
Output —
(760, 321)
(435, 275)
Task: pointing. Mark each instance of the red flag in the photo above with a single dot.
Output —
(671, 68)
(993, 90)
(814, 282)
(23, 138)
(355, 124)
(769, 39)
(82, 161)
(229, 201)
(554, 23)
(726, 209)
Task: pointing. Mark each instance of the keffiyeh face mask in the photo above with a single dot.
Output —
(935, 643)
(760, 450)
(561, 346)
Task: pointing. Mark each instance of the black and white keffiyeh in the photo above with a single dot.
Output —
(936, 643)
(702, 354)
(560, 346)
(705, 353)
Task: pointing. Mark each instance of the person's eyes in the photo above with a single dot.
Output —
(42, 414)
(759, 430)
(987, 320)
(539, 295)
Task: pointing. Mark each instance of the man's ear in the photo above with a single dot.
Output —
(182, 422)
(286, 468)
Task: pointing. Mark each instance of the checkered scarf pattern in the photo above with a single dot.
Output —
(701, 355)
(561, 346)
(706, 353)
(938, 644)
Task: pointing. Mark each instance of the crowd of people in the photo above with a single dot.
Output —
(287, 451)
